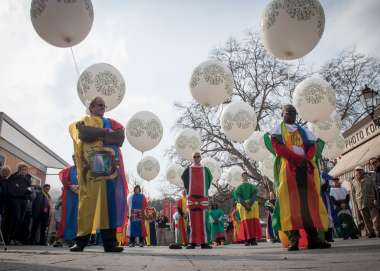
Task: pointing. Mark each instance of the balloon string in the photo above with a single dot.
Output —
(75, 61)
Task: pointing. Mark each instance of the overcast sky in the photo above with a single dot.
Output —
(155, 44)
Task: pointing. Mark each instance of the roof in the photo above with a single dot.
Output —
(18, 141)
(357, 157)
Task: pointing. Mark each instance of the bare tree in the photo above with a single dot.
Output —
(348, 73)
(259, 80)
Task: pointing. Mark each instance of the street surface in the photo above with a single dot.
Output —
(363, 254)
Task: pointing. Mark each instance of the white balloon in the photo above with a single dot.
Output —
(101, 80)
(62, 23)
(334, 149)
(144, 131)
(314, 99)
(238, 121)
(234, 176)
(213, 166)
(290, 29)
(255, 147)
(327, 130)
(148, 168)
(174, 173)
(187, 142)
(211, 83)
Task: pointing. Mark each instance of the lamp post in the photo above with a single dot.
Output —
(368, 98)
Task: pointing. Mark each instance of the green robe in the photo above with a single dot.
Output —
(216, 219)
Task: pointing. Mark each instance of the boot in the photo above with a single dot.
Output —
(313, 240)
(206, 246)
(293, 237)
(109, 241)
(80, 243)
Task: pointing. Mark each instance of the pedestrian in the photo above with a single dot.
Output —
(238, 235)
(197, 180)
(180, 218)
(101, 177)
(150, 216)
(19, 191)
(364, 194)
(340, 198)
(41, 216)
(5, 172)
(217, 225)
(325, 194)
(69, 210)
(297, 182)
(137, 204)
(269, 207)
(375, 166)
(246, 197)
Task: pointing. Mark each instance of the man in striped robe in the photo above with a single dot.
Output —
(197, 180)
(297, 182)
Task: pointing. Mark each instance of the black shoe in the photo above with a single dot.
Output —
(190, 247)
(113, 249)
(330, 240)
(318, 245)
(372, 235)
(175, 246)
(131, 244)
(253, 242)
(76, 248)
(206, 246)
(141, 245)
(293, 248)
(247, 244)
(355, 237)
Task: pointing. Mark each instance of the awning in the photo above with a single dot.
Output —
(357, 157)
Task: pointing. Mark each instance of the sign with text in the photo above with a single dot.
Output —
(365, 133)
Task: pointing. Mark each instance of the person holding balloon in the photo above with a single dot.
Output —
(297, 182)
(101, 178)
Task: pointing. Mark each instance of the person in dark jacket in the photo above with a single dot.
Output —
(40, 215)
(19, 190)
(4, 174)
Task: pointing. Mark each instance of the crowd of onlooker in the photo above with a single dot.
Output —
(25, 207)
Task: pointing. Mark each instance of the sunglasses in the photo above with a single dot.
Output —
(197, 156)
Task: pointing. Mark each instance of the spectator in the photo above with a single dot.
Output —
(364, 194)
(4, 174)
(41, 215)
(19, 190)
(375, 165)
(345, 224)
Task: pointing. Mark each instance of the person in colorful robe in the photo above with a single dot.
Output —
(180, 223)
(297, 182)
(150, 226)
(197, 180)
(247, 205)
(69, 209)
(325, 194)
(346, 227)
(217, 225)
(269, 207)
(101, 177)
(238, 229)
(136, 225)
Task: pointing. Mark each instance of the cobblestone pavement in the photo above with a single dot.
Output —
(362, 254)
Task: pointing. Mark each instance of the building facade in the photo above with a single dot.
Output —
(17, 145)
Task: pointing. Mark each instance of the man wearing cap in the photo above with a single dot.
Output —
(297, 182)
(364, 195)
(197, 180)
